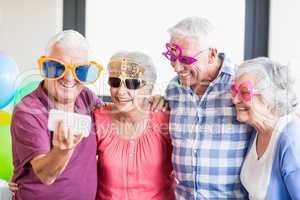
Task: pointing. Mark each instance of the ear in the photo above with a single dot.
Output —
(212, 54)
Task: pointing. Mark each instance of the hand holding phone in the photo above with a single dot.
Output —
(79, 124)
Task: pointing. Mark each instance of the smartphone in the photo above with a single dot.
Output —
(78, 123)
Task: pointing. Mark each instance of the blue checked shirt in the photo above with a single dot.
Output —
(209, 144)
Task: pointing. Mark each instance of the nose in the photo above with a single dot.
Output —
(236, 99)
(177, 66)
(122, 87)
(68, 76)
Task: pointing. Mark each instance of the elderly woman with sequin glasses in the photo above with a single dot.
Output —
(263, 95)
(134, 145)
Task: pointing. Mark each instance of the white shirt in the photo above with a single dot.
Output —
(256, 173)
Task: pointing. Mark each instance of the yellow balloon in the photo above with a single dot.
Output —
(5, 118)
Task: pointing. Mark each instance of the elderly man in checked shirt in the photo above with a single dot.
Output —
(209, 144)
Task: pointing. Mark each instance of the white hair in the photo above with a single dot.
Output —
(68, 39)
(142, 59)
(274, 81)
(196, 28)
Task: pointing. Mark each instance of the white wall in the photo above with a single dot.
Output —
(284, 43)
(25, 28)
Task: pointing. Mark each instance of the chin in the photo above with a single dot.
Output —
(68, 95)
(66, 99)
(242, 117)
(185, 82)
(123, 107)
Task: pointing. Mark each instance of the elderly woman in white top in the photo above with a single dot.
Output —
(264, 98)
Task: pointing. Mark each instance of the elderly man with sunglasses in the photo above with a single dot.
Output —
(57, 164)
(209, 144)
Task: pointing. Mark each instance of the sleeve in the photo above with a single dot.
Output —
(90, 99)
(30, 138)
(95, 99)
(172, 93)
(169, 90)
(290, 167)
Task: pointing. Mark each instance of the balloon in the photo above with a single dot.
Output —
(26, 89)
(5, 153)
(8, 75)
(5, 118)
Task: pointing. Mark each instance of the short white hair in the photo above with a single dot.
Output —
(142, 59)
(275, 82)
(68, 39)
(196, 28)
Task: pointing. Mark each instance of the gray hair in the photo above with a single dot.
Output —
(274, 81)
(196, 28)
(68, 39)
(142, 59)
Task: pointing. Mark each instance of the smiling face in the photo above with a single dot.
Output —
(190, 75)
(250, 108)
(127, 100)
(128, 89)
(66, 89)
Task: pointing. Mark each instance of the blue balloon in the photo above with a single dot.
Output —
(8, 76)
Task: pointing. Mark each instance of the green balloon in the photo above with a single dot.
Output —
(5, 153)
(26, 89)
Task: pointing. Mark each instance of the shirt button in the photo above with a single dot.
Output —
(131, 155)
(195, 152)
(131, 142)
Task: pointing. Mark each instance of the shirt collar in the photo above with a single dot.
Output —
(227, 67)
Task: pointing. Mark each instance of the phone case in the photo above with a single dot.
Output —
(78, 123)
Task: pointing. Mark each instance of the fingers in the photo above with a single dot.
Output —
(13, 188)
(63, 133)
(63, 137)
(77, 139)
(73, 139)
(56, 134)
(158, 103)
(12, 184)
(153, 102)
(166, 106)
(57, 130)
(69, 135)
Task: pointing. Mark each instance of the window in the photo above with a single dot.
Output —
(142, 25)
(284, 35)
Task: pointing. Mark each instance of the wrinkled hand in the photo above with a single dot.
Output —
(13, 188)
(63, 137)
(158, 103)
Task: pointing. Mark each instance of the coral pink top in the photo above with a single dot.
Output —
(134, 169)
